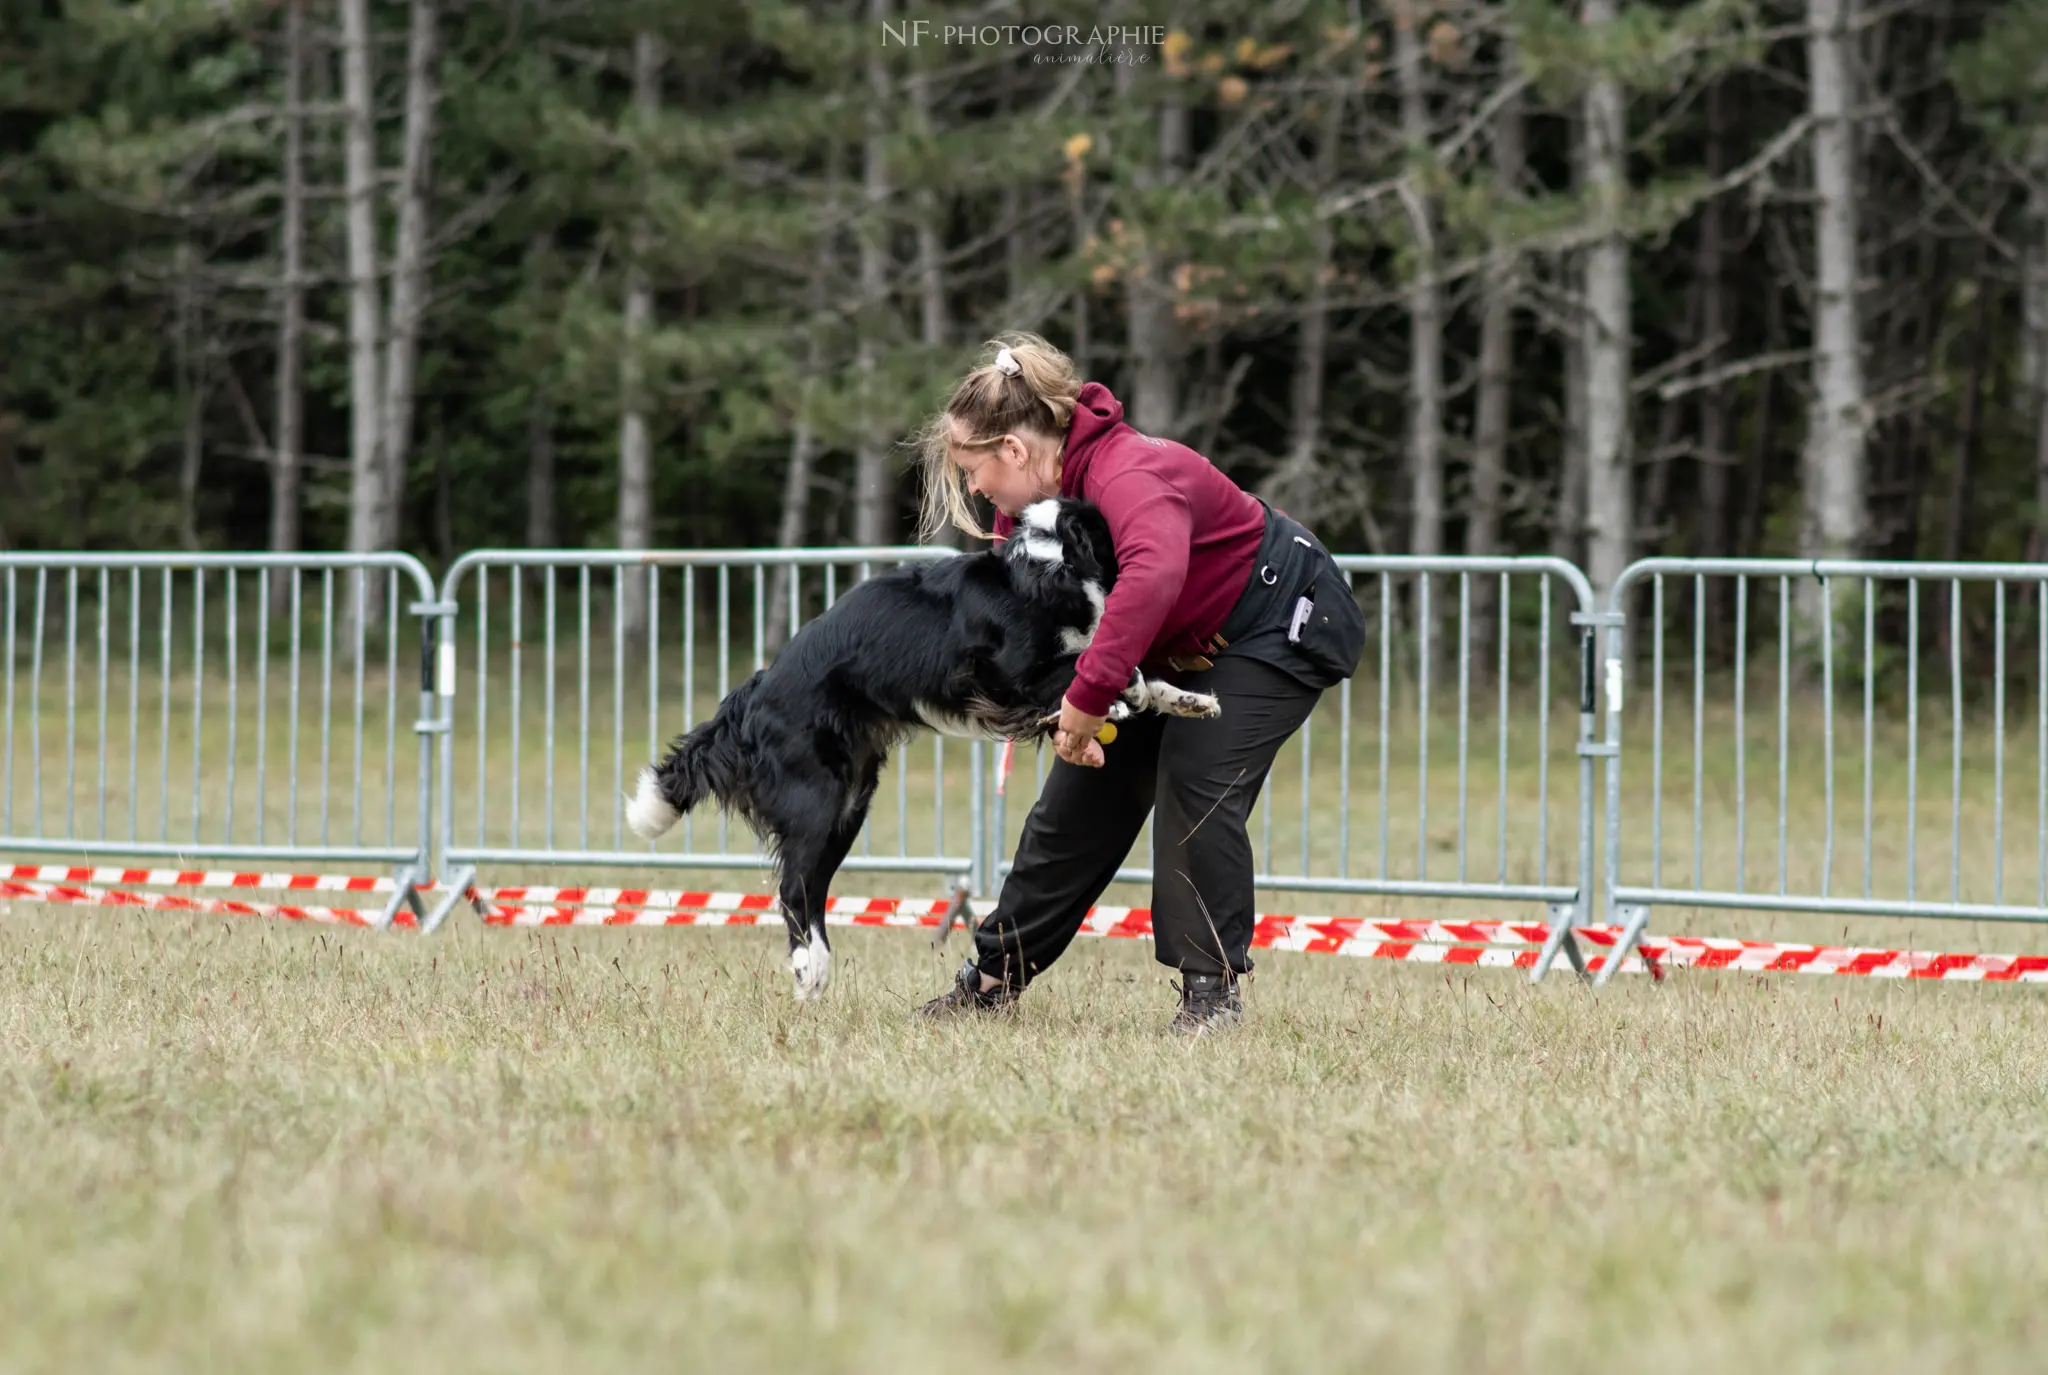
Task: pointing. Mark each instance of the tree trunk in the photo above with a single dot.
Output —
(1083, 345)
(2040, 553)
(799, 477)
(1568, 528)
(1496, 374)
(1016, 248)
(1081, 348)
(2036, 391)
(1964, 450)
(191, 350)
(13, 496)
(542, 531)
(409, 265)
(1156, 336)
(1609, 506)
(1301, 490)
(636, 458)
(874, 477)
(1155, 386)
(1567, 531)
(13, 491)
(1914, 340)
(1969, 424)
(935, 330)
(2034, 271)
(1425, 308)
(1299, 484)
(288, 434)
(1496, 351)
(1756, 468)
(365, 329)
(1710, 535)
(1650, 521)
(796, 500)
(1833, 484)
(931, 273)
(444, 497)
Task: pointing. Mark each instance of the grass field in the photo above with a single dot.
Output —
(238, 1146)
(245, 1146)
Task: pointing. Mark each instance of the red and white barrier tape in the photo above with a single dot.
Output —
(629, 907)
(204, 878)
(1481, 944)
(91, 896)
(1478, 943)
(1700, 952)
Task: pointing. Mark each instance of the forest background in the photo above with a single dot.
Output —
(1727, 277)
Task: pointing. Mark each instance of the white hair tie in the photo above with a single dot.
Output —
(1007, 364)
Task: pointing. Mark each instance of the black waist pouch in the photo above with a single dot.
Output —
(1296, 613)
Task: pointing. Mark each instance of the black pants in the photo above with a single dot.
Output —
(1203, 777)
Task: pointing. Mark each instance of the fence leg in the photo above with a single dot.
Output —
(458, 888)
(961, 909)
(977, 817)
(405, 893)
(1563, 917)
(1637, 917)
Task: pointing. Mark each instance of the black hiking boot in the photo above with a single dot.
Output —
(1208, 1002)
(967, 995)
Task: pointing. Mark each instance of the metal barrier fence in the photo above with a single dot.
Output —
(164, 635)
(1821, 623)
(658, 639)
(270, 686)
(675, 631)
(1458, 650)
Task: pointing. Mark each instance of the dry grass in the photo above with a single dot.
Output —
(246, 1146)
(238, 1146)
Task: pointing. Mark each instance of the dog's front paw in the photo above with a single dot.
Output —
(811, 964)
(1196, 705)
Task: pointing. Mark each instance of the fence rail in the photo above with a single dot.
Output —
(275, 775)
(257, 707)
(1447, 639)
(674, 632)
(1827, 624)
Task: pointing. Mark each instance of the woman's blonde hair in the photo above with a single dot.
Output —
(1033, 391)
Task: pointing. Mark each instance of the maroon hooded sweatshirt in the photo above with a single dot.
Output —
(1185, 537)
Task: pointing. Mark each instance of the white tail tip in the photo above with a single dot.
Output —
(648, 812)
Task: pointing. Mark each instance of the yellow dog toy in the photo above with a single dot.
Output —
(1105, 736)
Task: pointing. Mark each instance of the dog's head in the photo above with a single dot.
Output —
(1061, 544)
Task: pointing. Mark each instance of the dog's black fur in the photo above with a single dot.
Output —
(980, 645)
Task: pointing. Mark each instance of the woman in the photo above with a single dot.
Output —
(1214, 591)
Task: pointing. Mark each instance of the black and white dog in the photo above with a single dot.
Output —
(982, 645)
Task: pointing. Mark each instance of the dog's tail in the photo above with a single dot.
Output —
(705, 763)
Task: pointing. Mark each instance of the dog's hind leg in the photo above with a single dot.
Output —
(805, 896)
(808, 869)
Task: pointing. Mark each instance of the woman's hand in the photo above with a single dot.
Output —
(1074, 739)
